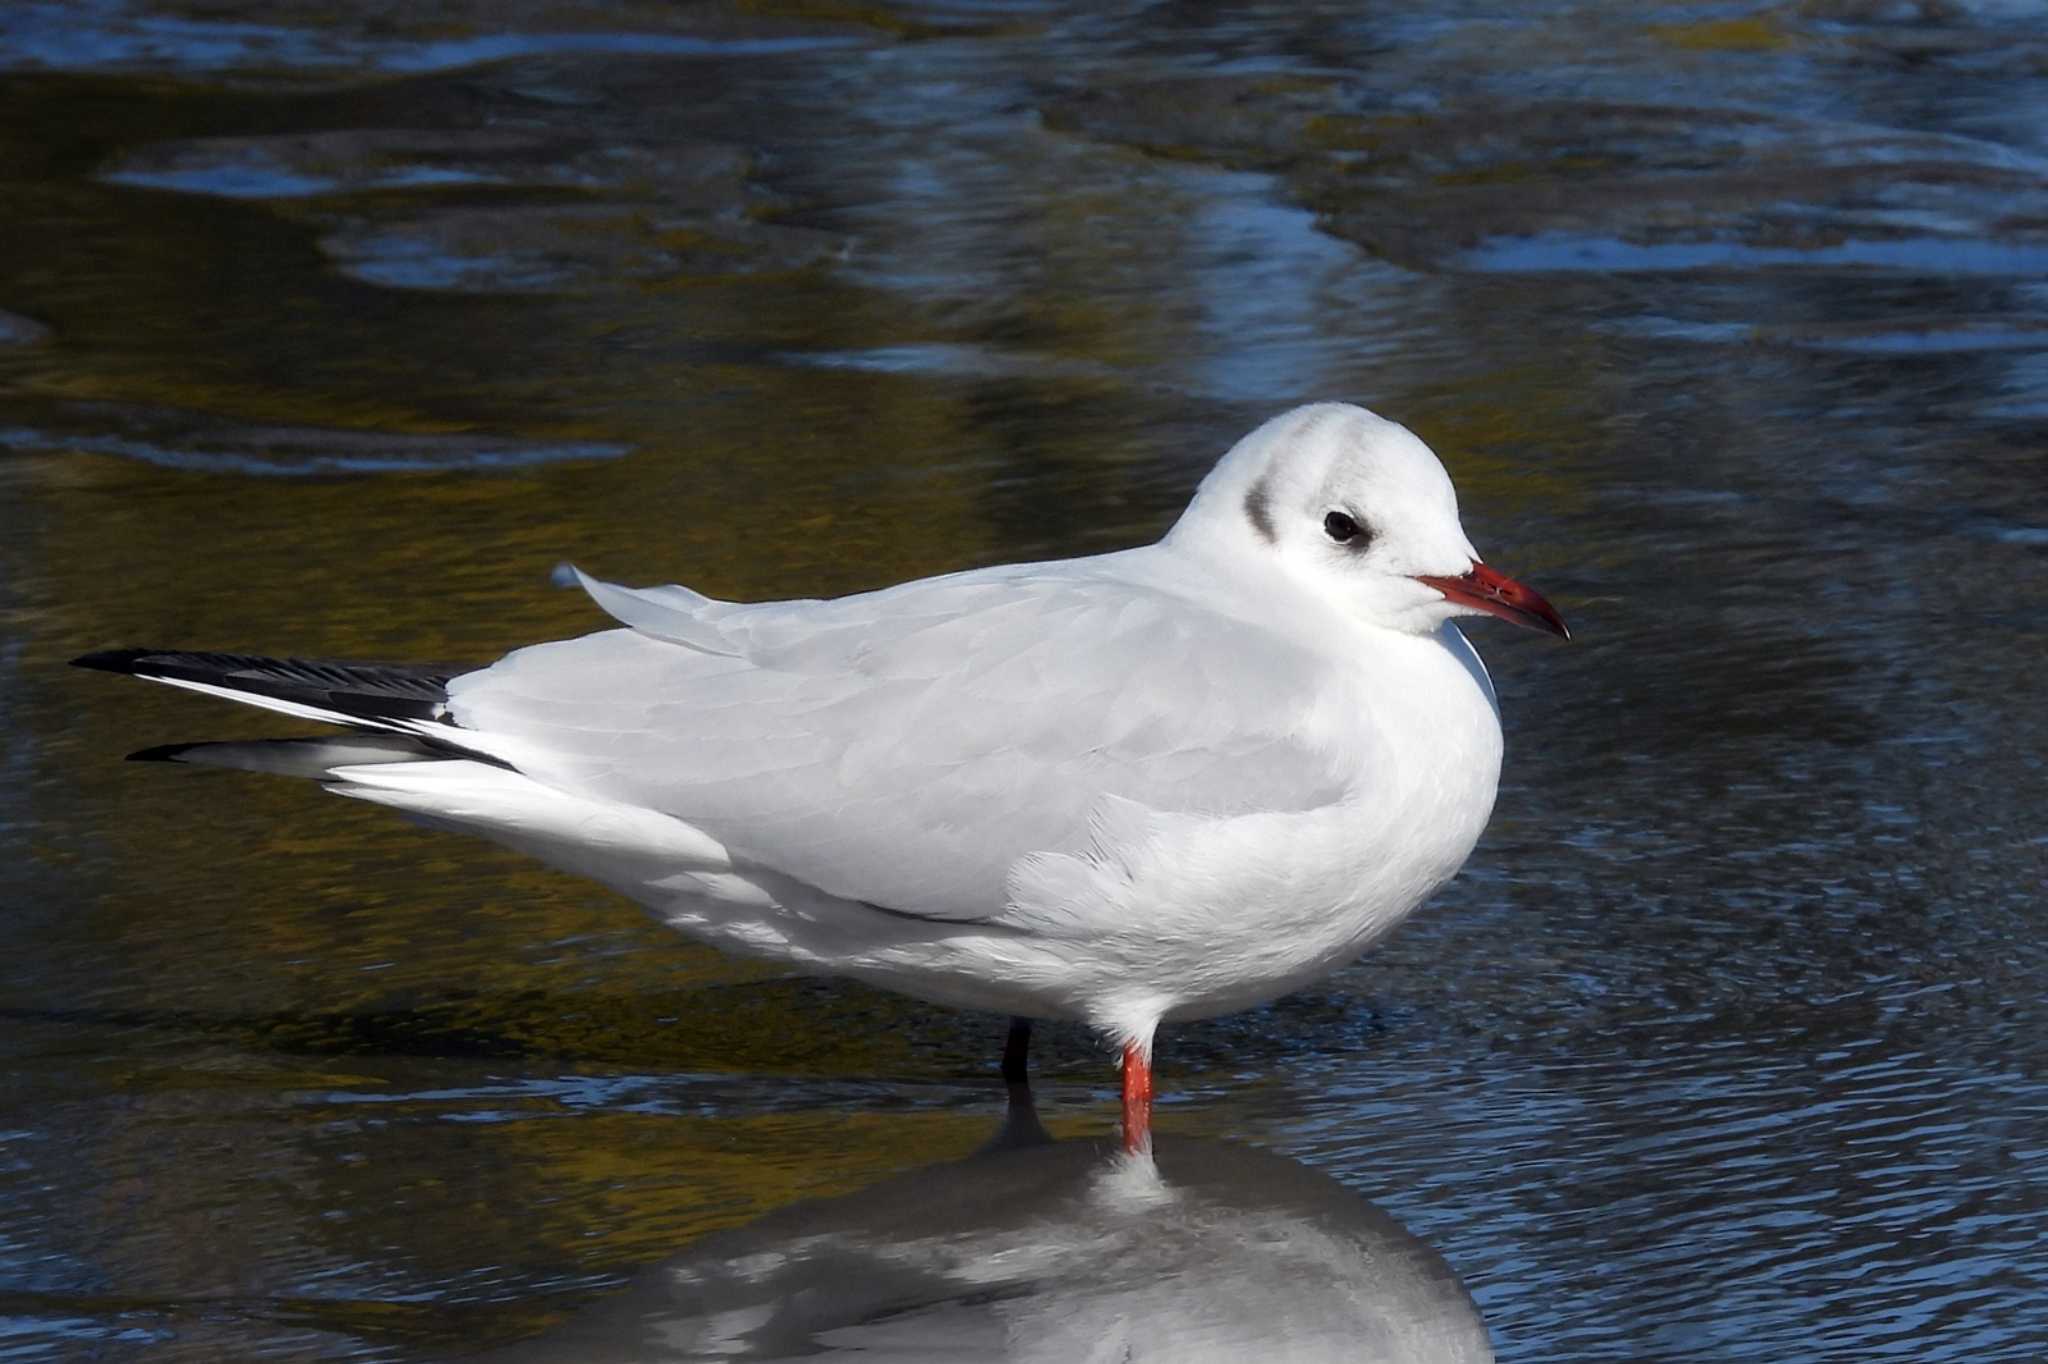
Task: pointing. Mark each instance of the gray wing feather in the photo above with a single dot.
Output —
(906, 748)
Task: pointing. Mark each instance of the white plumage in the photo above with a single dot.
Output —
(1162, 783)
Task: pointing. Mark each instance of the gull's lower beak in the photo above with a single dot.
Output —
(1497, 594)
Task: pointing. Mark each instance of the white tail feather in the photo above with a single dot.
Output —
(516, 809)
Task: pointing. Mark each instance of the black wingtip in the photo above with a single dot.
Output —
(162, 753)
(114, 660)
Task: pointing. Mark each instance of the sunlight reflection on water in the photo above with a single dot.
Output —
(1728, 1044)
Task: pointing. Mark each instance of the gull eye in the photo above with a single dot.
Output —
(1341, 528)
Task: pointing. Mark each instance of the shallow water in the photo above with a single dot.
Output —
(332, 329)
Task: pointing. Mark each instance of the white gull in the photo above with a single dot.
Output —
(1159, 784)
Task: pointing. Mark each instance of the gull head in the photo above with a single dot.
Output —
(1359, 512)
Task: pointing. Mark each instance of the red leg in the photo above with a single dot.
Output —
(1137, 1100)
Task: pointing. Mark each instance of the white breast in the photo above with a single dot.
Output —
(1173, 915)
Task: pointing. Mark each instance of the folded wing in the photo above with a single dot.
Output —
(905, 748)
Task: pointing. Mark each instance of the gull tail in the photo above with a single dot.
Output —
(398, 711)
(405, 751)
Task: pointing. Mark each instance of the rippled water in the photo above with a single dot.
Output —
(334, 328)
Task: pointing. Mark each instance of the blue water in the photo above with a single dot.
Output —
(333, 331)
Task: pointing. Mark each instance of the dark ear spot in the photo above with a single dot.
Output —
(1258, 509)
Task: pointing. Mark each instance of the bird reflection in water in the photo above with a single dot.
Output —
(1060, 1251)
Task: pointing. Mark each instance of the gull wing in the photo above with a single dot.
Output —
(905, 748)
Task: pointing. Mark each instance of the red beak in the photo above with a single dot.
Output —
(1499, 595)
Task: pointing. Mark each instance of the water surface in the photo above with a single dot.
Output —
(333, 329)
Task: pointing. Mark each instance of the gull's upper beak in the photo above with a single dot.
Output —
(1497, 594)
